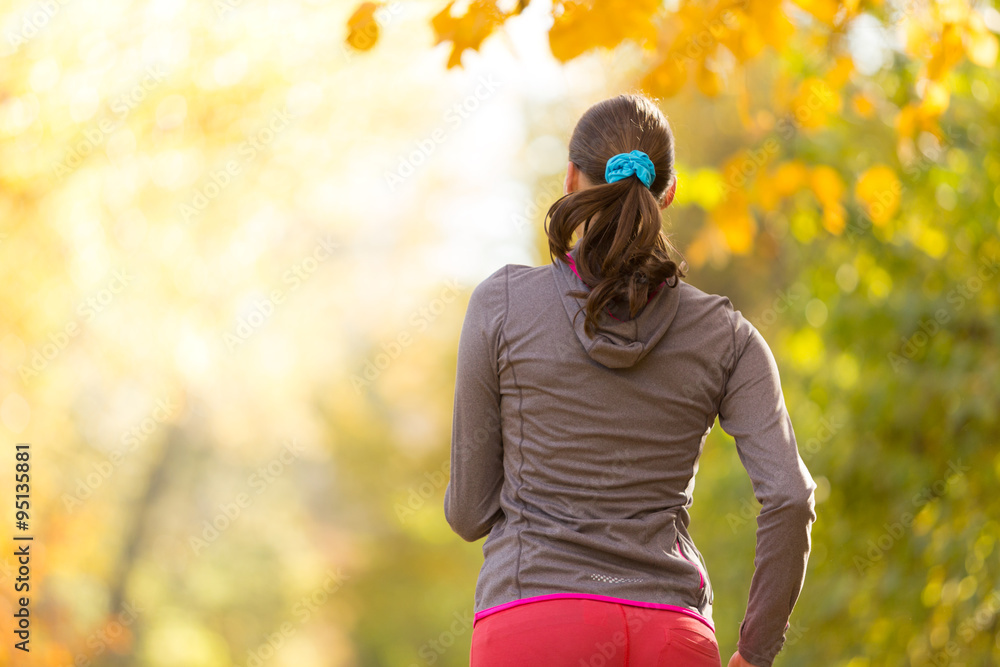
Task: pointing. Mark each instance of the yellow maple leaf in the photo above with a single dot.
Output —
(467, 31)
(581, 25)
(571, 33)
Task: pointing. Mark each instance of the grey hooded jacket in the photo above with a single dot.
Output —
(577, 456)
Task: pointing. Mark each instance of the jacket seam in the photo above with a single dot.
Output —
(734, 359)
(520, 443)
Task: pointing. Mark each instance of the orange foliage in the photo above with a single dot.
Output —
(362, 27)
(469, 30)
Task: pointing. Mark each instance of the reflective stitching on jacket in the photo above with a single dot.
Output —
(613, 580)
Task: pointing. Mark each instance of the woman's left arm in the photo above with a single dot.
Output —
(472, 497)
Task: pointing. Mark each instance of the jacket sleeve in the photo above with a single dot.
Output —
(752, 411)
(472, 497)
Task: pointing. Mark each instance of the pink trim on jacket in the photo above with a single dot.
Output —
(701, 578)
(572, 265)
(588, 596)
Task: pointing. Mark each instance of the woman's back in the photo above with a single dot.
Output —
(598, 462)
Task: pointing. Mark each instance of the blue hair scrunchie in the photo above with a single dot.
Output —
(624, 165)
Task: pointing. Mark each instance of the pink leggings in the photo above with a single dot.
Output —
(591, 633)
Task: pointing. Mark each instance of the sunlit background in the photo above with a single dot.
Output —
(237, 240)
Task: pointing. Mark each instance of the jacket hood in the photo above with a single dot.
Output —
(617, 343)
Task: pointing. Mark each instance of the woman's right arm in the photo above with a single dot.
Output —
(752, 410)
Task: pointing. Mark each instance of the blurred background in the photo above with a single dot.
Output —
(237, 240)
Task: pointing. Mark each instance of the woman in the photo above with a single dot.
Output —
(584, 393)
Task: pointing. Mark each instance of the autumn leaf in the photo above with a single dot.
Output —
(467, 31)
(574, 31)
(586, 24)
(363, 29)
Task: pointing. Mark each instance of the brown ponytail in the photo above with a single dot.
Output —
(623, 252)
